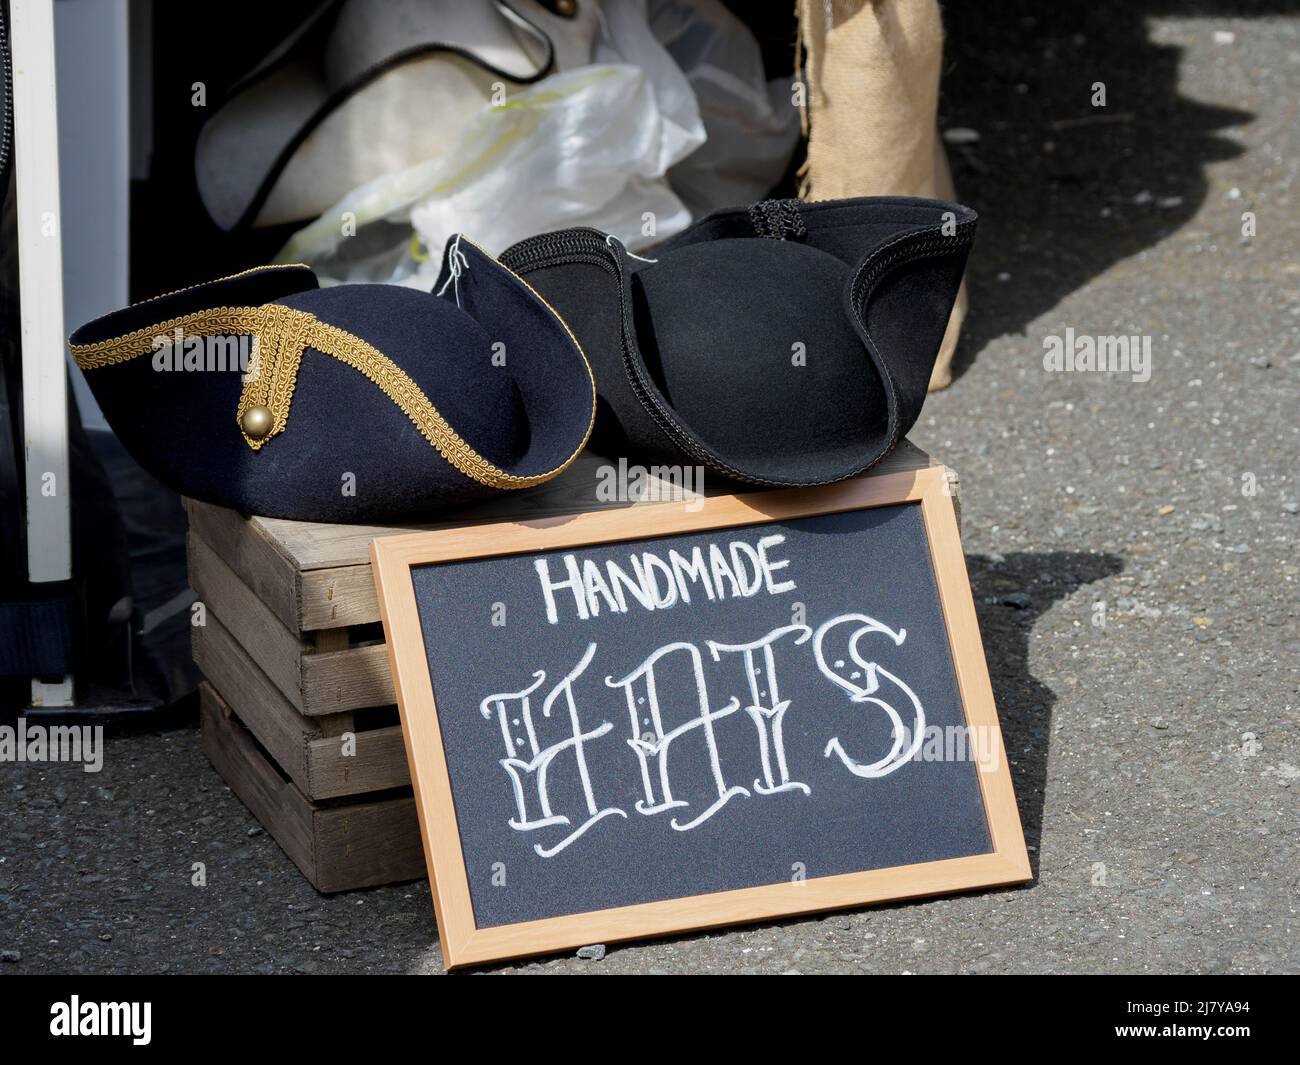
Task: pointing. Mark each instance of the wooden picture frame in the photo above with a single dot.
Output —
(463, 942)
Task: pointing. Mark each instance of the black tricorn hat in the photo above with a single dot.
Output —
(269, 394)
(781, 344)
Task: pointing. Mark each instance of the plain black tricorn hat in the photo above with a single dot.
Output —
(269, 394)
(781, 344)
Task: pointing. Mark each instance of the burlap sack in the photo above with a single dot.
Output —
(872, 71)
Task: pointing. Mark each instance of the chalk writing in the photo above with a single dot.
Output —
(864, 693)
(766, 707)
(653, 753)
(680, 667)
(737, 570)
(530, 777)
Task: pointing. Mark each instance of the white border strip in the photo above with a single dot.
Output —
(40, 286)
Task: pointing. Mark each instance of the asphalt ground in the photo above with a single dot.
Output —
(1156, 757)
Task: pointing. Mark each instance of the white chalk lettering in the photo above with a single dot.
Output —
(620, 581)
(670, 709)
(653, 752)
(768, 565)
(647, 567)
(594, 585)
(550, 587)
(736, 570)
(766, 707)
(864, 692)
(536, 768)
(721, 570)
(694, 571)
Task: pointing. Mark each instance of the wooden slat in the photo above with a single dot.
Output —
(339, 595)
(314, 683)
(309, 749)
(273, 647)
(317, 576)
(346, 680)
(338, 847)
(378, 764)
(279, 728)
(331, 640)
(368, 843)
(275, 802)
(252, 555)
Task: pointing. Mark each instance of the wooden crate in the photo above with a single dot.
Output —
(297, 673)
(338, 846)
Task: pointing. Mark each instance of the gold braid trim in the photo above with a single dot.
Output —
(278, 344)
(281, 334)
(217, 321)
(397, 386)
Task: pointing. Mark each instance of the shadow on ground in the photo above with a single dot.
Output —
(1066, 189)
(1011, 593)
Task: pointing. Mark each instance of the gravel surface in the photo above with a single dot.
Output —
(1155, 757)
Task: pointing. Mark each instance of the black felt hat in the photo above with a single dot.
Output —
(782, 344)
(266, 393)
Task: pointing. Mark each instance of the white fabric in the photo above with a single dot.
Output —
(408, 115)
(752, 125)
(588, 146)
(370, 31)
(558, 154)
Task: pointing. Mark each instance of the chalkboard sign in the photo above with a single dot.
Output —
(641, 721)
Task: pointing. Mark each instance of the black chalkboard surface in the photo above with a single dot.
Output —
(663, 717)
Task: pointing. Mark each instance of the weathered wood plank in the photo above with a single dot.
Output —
(252, 555)
(346, 680)
(275, 802)
(313, 751)
(364, 844)
(276, 649)
(261, 706)
(378, 763)
(331, 682)
(337, 596)
(331, 640)
(338, 846)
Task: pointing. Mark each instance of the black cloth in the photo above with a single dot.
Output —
(489, 355)
(780, 344)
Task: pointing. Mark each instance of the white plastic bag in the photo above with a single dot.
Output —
(588, 146)
(752, 125)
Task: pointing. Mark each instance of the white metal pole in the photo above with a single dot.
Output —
(91, 48)
(40, 290)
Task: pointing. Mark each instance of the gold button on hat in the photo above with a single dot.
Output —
(256, 422)
(409, 366)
